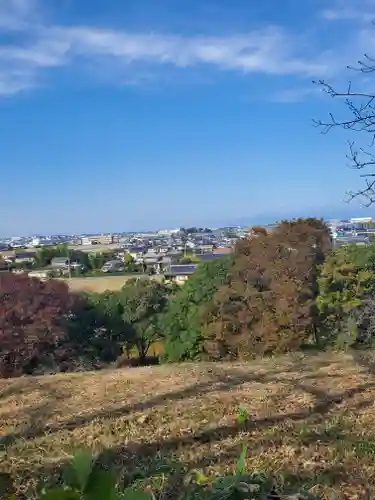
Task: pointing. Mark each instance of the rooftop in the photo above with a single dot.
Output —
(181, 270)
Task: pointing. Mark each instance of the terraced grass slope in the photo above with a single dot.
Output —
(310, 422)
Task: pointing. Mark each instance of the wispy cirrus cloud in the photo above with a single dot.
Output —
(266, 51)
(17, 14)
(351, 10)
(40, 47)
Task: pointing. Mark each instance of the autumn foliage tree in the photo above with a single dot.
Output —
(34, 321)
(257, 230)
(269, 304)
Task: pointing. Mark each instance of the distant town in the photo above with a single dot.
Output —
(172, 253)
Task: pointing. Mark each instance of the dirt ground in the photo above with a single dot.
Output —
(310, 422)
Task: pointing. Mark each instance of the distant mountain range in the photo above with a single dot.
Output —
(346, 212)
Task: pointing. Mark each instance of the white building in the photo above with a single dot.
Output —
(168, 232)
(35, 242)
(86, 241)
(361, 220)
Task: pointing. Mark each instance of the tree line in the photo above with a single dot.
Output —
(278, 292)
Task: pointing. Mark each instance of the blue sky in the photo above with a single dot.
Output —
(143, 114)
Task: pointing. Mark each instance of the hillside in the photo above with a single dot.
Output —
(311, 421)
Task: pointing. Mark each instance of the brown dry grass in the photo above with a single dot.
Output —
(311, 421)
(101, 284)
(97, 285)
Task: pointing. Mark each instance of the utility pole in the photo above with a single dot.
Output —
(69, 266)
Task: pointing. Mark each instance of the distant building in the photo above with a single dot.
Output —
(41, 274)
(361, 220)
(24, 257)
(180, 273)
(59, 262)
(113, 266)
(137, 252)
(168, 232)
(208, 257)
(350, 240)
(99, 240)
(204, 248)
(155, 263)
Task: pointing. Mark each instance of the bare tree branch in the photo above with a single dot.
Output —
(361, 118)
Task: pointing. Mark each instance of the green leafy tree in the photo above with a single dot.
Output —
(347, 278)
(44, 255)
(131, 266)
(183, 322)
(100, 327)
(97, 260)
(142, 302)
(128, 260)
(190, 259)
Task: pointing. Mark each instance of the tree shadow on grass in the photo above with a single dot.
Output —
(35, 414)
(219, 382)
(324, 403)
(142, 460)
(142, 464)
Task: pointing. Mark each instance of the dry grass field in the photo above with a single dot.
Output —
(101, 284)
(98, 285)
(310, 422)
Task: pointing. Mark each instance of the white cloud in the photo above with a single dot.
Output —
(351, 10)
(266, 51)
(13, 82)
(39, 48)
(17, 14)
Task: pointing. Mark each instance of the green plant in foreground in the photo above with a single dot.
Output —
(83, 481)
(238, 485)
(241, 485)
